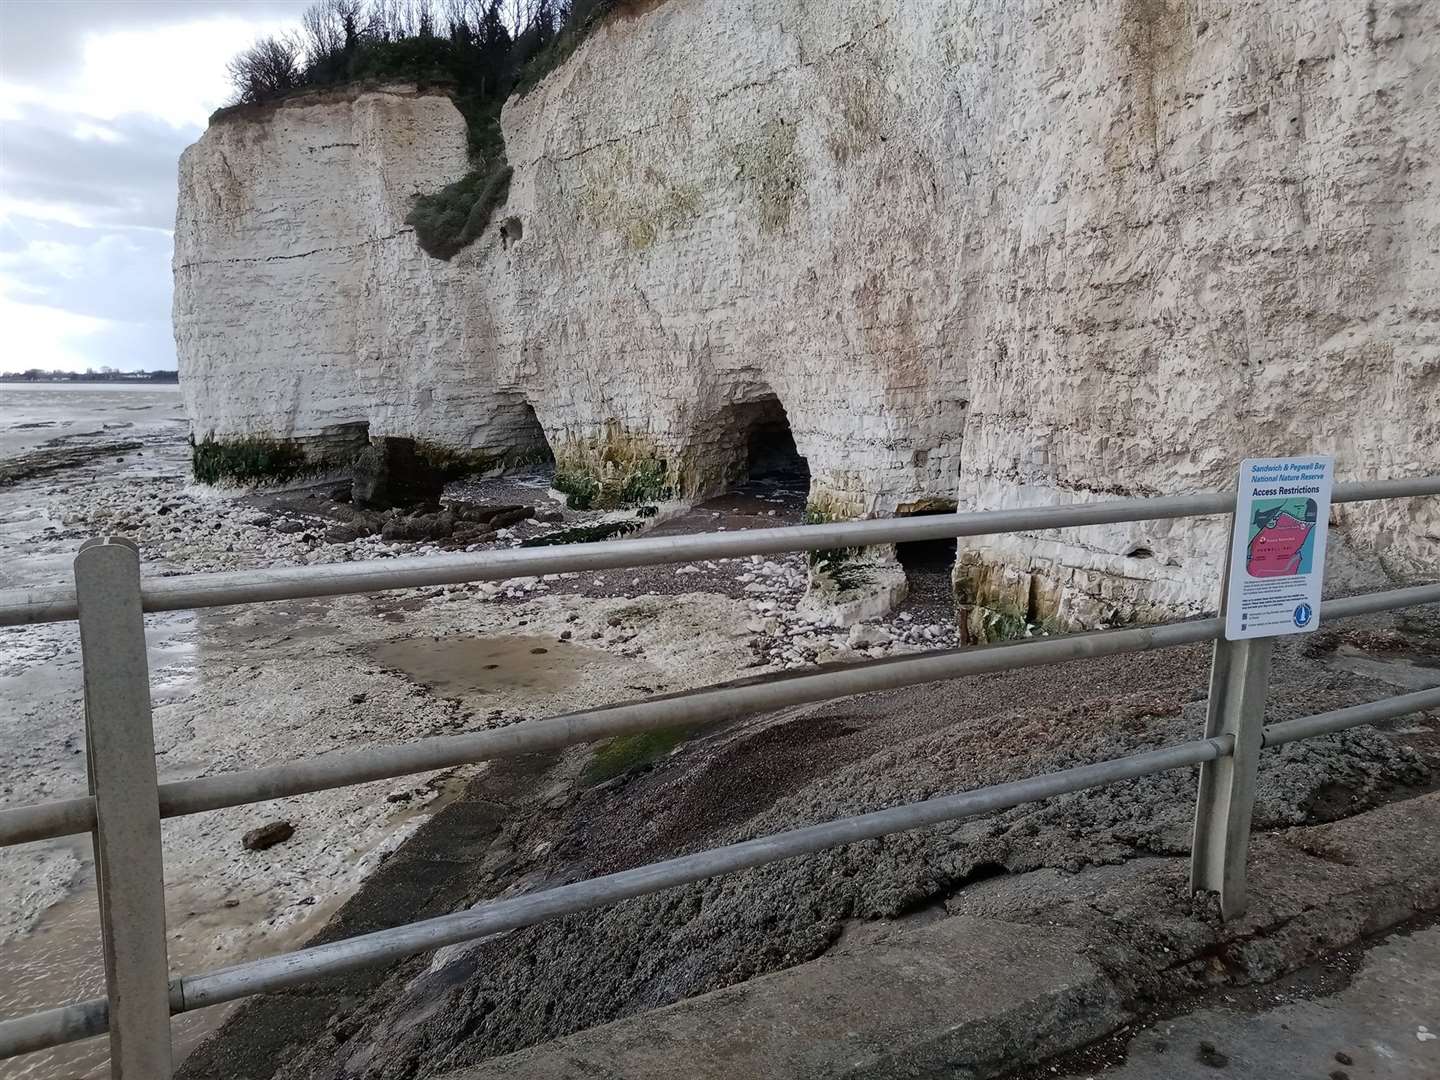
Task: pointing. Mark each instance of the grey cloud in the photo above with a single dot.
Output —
(120, 275)
(129, 181)
(117, 268)
(42, 39)
(10, 238)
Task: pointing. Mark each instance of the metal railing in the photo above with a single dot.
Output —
(126, 800)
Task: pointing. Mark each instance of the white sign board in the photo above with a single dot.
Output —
(1277, 555)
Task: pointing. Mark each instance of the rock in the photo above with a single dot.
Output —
(472, 534)
(419, 527)
(865, 588)
(511, 517)
(389, 473)
(485, 515)
(369, 522)
(290, 527)
(549, 517)
(268, 835)
(862, 636)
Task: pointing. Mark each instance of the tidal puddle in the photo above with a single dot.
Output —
(474, 667)
(59, 961)
(1408, 671)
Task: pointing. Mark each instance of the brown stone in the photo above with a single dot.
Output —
(268, 835)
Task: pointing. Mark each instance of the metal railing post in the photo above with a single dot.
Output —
(120, 749)
(1239, 680)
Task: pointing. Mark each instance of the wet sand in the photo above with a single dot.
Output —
(33, 415)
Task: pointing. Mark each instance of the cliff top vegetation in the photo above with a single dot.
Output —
(479, 50)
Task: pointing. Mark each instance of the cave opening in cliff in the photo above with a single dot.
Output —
(528, 440)
(770, 452)
(927, 563)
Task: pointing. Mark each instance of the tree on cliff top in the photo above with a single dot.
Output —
(481, 50)
(270, 68)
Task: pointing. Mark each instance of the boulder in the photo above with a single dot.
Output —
(488, 515)
(472, 534)
(419, 527)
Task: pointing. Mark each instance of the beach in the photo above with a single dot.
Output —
(244, 687)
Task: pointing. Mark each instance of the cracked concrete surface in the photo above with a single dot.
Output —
(1385, 1025)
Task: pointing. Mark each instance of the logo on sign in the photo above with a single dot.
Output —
(1303, 614)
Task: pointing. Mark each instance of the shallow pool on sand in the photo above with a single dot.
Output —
(476, 667)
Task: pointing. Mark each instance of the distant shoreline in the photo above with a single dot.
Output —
(131, 377)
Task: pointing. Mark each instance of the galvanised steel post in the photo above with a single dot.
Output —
(120, 749)
(1239, 679)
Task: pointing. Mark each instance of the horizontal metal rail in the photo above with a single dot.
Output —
(341, 769)
(1372, 712)
(54, 1026)
(41, 605)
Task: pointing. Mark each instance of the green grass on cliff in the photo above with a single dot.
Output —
(451, 219)
(582, 16)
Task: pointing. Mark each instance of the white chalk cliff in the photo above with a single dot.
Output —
(1000, 252)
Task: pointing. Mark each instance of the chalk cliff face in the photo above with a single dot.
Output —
(303, 308)
(996, 252)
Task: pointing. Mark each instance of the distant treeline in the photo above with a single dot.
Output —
(40, 375)
(481, 50)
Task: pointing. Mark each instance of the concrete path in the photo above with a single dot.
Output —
(1384, 1026)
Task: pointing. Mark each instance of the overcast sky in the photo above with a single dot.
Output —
(97, 99)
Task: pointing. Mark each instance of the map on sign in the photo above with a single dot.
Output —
(1277, 557)
(1282, 537)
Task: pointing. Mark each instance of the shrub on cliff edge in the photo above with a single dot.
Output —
(449, 220)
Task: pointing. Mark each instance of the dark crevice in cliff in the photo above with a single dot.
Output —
(298, 255)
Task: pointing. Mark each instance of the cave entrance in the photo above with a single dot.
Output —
(928, 563)
(771, 457)
(530, 449)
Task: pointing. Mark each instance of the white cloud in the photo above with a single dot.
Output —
(43, 337)
(88, 151)
(175, 72)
